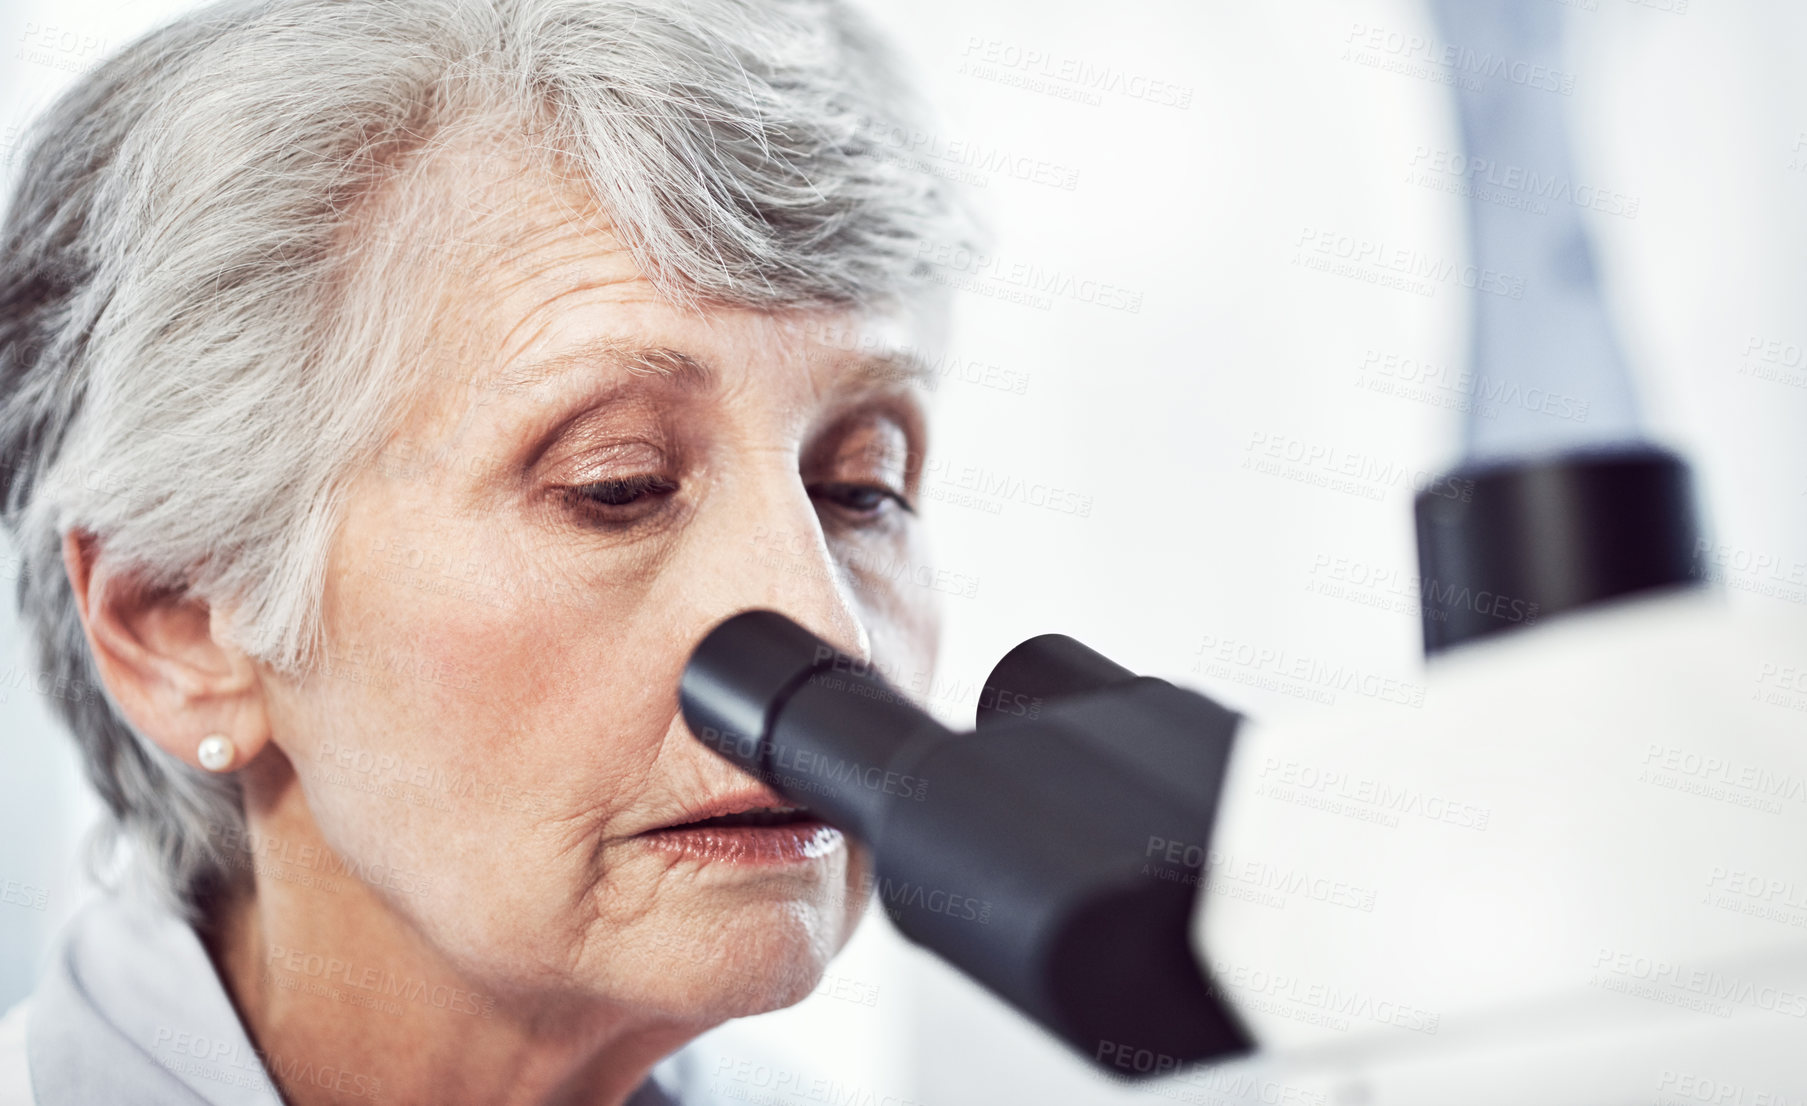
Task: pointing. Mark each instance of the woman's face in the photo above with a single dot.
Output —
(591, 481)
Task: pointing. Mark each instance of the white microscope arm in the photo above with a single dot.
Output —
(1577, 874)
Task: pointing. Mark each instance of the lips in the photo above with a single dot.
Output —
(755, 827)
(753, 807)
(763, 816)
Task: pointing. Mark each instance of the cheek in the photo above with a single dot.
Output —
(475, 727)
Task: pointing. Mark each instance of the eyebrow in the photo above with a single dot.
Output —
(674, 365)
(903, 366)
(873, 370)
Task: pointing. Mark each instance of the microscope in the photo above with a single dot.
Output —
(1574, 872)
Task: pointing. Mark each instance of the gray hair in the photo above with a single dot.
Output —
(190, 372)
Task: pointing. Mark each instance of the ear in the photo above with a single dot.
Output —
(163, 657)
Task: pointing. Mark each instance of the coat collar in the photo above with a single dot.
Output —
(130, 1009)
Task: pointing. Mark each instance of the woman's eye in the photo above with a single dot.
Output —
(863, 500)
(613, 499)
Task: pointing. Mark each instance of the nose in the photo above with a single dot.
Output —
(763, 548)
(776, 557)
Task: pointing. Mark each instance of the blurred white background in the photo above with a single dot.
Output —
(1278, 122)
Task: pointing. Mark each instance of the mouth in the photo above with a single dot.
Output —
(737, 831)
(758, 816)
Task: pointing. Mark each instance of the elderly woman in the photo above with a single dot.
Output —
(392, 392)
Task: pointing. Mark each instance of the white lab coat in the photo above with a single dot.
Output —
(130, 1010)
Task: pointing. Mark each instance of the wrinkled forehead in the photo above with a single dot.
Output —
(516, 274)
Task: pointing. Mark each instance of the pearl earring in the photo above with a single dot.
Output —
(216, 753)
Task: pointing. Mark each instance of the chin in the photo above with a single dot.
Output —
(736, 961)
(717, 994)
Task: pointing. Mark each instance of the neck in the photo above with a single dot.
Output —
(344, 1000)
